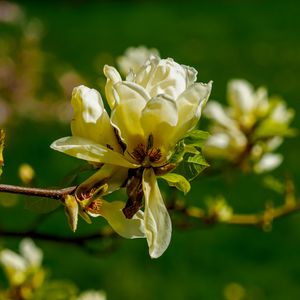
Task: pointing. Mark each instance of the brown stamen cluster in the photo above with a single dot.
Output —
(144, 156)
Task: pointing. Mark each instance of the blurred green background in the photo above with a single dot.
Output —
(255, 40)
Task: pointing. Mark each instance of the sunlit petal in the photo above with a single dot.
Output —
(127, 113)
(165, 76)
(189, 105)
(113, 77)
(90, 151)
(241, 95)
(268, 162)
(159, 119)
(127, 228)
(90, 120)
(216, 112)
(158, 227)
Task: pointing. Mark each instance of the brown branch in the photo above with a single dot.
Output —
(57, 194)
(83, 242)
(262, 219)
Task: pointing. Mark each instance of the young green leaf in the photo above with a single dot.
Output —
(178, 153)
(177, 181)
(196, 138)
(192, 165)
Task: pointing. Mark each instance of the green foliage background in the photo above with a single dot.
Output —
(255, 40)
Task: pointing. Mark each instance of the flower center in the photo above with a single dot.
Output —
(145, 155)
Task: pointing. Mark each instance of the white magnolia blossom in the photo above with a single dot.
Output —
(150, 112)
(268, 162)
(17, 265)
(92, 295)
(134, 58)
(251, 119)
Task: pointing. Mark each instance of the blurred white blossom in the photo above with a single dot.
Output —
(134, 58)
(92, 295)
(249, 129)
(24, 266)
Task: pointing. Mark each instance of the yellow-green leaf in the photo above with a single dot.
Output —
(177, 181)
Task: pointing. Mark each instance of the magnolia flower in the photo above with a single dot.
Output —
(134, 58)
(19, 266)
(249, 129)
(151, 111)
(92, 295)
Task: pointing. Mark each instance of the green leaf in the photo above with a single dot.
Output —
(41, 205)
(2, 140)
(198, 159)
(196, 137)
(178, 153)
(177, 181)
(192, 165)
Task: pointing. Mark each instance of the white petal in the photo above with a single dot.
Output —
(127, 228)
(268, 162)
(189, 105)
(165, 76)
(159, 119)
(219, 140)
(225, 144)
(274, 143)
(216, 112)
(281, 114)
(14, 265)
(90, 151)
(92, 295)
(12, 260)
(158, 225)
(134, 58)
(241, 96)
(113, 77)
(127, 113)
(90, 120)
(31, 252)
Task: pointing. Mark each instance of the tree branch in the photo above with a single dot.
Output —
(57, 194)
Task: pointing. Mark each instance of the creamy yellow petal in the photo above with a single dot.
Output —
(90, 151)
(165, 76)
(134, 58)
(190, 104)
(90, 119)
(113, 77)
(241, 96)
(159, 120)
(127, 113)
(127, 228)
(217, 113)
(111, 175)
(158, 227)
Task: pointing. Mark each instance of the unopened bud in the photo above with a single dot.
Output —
(26, 173)
(71, 210)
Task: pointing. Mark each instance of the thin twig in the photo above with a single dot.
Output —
(56, 194)
(77, 240)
